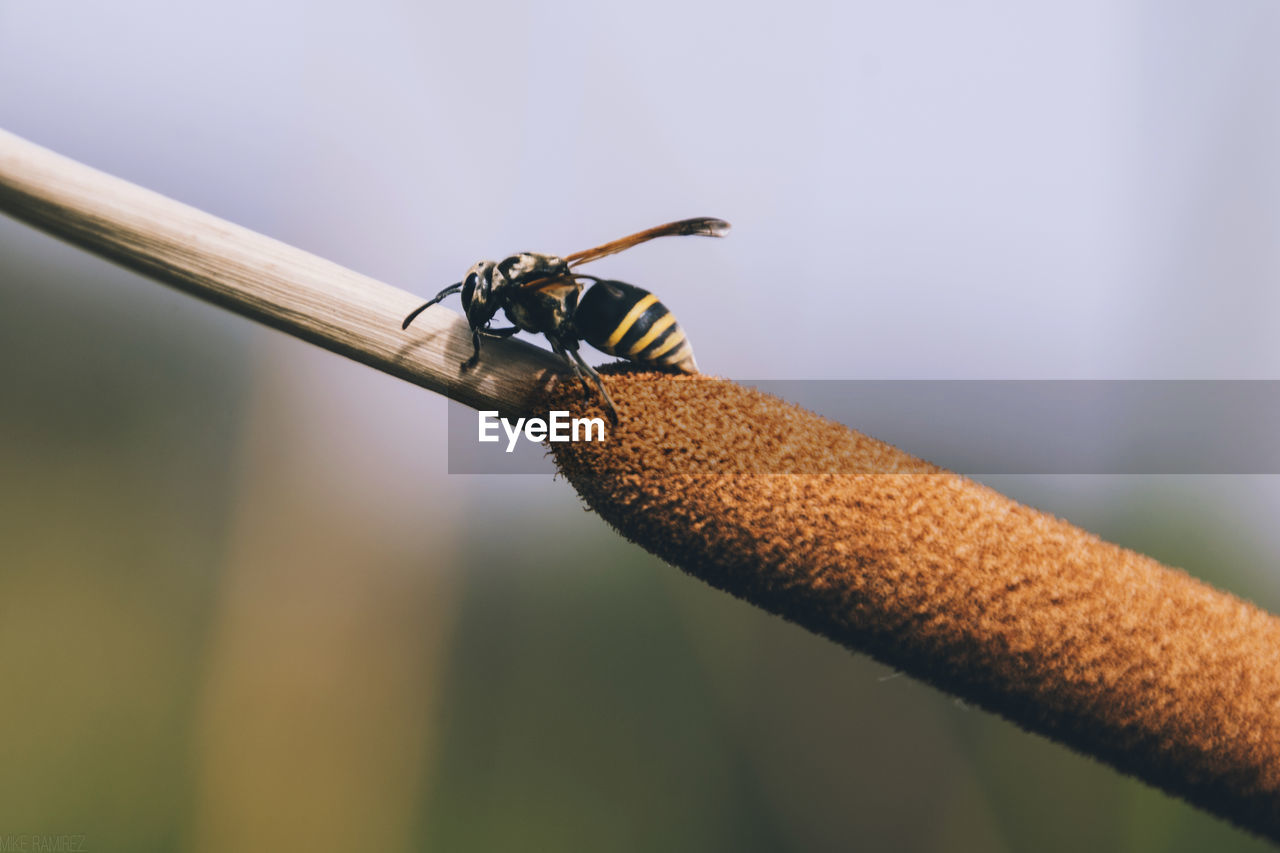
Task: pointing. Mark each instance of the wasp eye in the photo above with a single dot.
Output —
(468, 290)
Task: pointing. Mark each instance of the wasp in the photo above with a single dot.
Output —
(540, 293)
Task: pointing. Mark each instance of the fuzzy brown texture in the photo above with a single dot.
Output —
(1014, 610)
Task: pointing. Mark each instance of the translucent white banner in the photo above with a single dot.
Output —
(998, 426)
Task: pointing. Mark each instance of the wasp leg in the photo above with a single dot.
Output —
(477, 334)
(560, 351)
(577, 357)
(475, 357)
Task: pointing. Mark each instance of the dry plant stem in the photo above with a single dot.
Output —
(1014, 610)
(265, 280)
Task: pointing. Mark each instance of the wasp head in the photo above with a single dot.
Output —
(480, 298)
(488, 285)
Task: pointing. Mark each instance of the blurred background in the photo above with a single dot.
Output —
(243, 605)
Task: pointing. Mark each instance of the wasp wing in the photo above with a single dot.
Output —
(706, 226)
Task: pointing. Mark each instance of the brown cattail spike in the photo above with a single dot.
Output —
(1014, 610)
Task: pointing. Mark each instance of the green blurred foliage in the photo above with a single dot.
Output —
(115, 436)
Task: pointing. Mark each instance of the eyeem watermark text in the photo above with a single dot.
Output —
(559, 427)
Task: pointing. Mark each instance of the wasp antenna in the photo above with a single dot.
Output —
(414, 313)
(448, 291)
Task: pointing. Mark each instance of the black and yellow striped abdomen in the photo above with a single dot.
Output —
(629, 322)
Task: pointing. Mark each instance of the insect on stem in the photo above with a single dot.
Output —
(539, 294)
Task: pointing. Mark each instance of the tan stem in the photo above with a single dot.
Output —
(265, 280)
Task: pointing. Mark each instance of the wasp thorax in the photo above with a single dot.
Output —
(529, 266)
